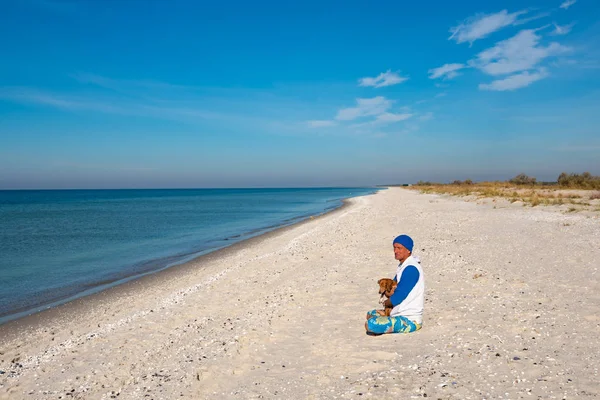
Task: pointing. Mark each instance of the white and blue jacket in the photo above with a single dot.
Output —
(409, 297)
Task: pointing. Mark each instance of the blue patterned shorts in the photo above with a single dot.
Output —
(377, 324)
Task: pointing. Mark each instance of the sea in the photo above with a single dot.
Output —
(59, 245)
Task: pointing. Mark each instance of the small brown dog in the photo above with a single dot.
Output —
(387, 287)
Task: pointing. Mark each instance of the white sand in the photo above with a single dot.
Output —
(283, 316)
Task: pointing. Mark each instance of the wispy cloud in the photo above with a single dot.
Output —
(321, 123)
(520, 53)
(568, 3)
(155, 100)
(446, 71)
(131, 99)
(368, 114)
(391, 117)
(380, 121)
(364, 108)
(126, 85)
(387, 78)
(514, 82)
(562, 30)
(523, 21)
(25, 95)
(483, 25)
(442, 94)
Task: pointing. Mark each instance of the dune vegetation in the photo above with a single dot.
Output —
(575, 192)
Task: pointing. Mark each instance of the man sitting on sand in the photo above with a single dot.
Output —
(408, 298)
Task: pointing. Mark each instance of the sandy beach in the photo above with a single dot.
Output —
(512, 311)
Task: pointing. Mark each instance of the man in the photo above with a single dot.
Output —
(407, 299)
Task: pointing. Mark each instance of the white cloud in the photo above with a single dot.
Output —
(369, 114)
(524, 21)
(568, 3)
(387, 78)
(365, 107)
(443, 94)
(516, 81)
(562, 30)
(519, 53)
(321, 123)
(380, 121)
(482, 25)
(391, 117)
(446, 71)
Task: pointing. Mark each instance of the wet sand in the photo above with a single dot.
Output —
(512, 311)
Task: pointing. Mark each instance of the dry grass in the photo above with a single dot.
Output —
(531, 195)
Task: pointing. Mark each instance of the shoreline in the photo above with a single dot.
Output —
(283, 315)
(79, 303)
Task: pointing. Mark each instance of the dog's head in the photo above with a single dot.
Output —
(386, 285)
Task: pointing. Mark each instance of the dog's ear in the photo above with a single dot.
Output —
(379, 281)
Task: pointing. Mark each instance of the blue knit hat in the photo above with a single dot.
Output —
(405, 241)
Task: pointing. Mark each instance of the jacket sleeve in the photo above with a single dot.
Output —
(408, 280)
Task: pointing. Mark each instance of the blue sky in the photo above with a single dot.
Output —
(132, 94)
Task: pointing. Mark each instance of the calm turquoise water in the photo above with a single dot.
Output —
(56, 245)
